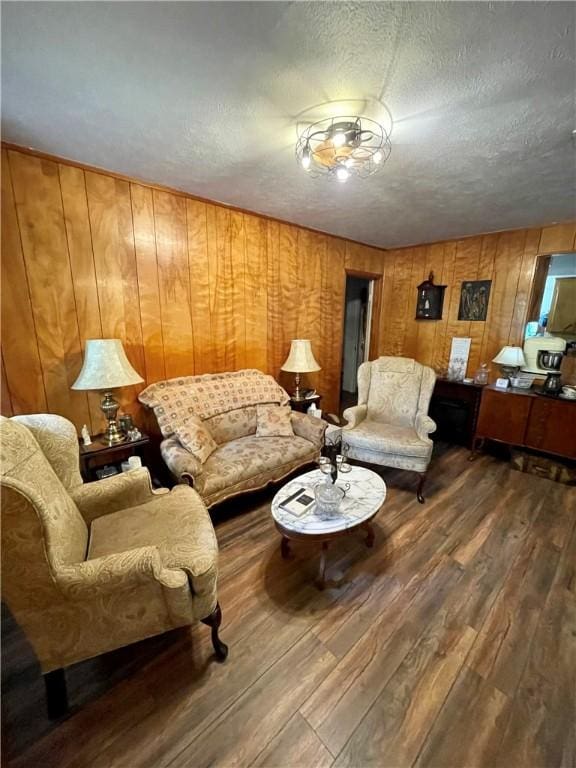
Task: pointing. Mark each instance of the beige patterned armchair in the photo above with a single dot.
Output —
(390, 425)
(90, 568)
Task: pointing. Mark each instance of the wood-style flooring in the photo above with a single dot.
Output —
(452, 643)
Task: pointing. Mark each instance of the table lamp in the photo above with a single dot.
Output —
(106, 367)
(300, 360)
(510, 360)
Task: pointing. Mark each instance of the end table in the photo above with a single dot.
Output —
(302, 404)
(98, 454)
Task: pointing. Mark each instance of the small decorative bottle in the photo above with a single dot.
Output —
(481, 375)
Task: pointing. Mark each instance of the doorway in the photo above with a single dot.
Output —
(356, 338)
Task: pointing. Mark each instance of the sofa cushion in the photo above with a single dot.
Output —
(177, 523)
(273, 421)
(240, 422)
(195, 436)
(239, 460)
(387, 438)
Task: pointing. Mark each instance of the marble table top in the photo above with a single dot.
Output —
(364, 498)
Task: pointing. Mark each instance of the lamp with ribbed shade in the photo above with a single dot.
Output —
(300, 360)
(106, 367)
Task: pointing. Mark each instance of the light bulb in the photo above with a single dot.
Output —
(306, 159)
(377, 157)
(339, 139)
(342, 173)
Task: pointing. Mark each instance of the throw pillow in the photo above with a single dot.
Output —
(273, 421)
(195, 436)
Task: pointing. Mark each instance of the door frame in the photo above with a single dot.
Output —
(376, 277)
(374, 345)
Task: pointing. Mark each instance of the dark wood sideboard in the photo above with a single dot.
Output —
(454, 407)
(527, 420)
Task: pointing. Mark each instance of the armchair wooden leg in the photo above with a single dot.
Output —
(214, 621)
(56, 694)
(421, 482)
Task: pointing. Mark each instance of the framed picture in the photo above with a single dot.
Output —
(430, 300)
(474, 296)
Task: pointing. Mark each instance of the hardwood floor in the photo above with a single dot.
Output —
(451, 643)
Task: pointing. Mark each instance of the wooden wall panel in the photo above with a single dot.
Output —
(507, 258)
(194, 287)
(558, 238)
(110, 212)
(44, 246)
(78, 234)
(148, 282)
(5, 399)
(329, 349)
(24, 378)
(199, 286)
(255, 284)
(239, 300)
(174, 281)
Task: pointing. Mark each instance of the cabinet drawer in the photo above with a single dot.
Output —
(503, 416)
(552, 427)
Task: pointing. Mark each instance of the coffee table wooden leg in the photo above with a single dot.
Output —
(370, 534)
(285, 548)
(321, 578)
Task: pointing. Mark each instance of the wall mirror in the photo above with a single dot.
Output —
(552, 306)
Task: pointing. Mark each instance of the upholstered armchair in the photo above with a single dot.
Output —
(390, 425)
(87, 568)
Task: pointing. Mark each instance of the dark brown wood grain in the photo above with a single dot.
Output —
(450, 643)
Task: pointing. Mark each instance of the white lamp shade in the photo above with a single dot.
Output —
(105, 366)
(512, 356)
(301, 358)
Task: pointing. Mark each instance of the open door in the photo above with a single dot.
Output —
(356, 338)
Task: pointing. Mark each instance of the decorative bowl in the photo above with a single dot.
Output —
(328, 499)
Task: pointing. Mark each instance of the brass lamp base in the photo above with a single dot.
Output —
(297, 394)
(112, 435)
(509, 371)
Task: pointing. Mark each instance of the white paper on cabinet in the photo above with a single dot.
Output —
(459, 354)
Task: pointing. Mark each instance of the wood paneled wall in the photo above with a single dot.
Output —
(506, 258)
(194, 287)
(189, 286)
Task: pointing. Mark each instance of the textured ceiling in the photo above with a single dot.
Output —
(205, 97)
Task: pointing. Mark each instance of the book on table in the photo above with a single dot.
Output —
(299, 502)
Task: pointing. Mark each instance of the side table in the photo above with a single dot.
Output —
(303, 403)
(454, 407)
(98, 454)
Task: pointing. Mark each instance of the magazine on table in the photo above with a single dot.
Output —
(299, 502)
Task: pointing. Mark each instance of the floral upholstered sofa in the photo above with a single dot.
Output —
(230, 453)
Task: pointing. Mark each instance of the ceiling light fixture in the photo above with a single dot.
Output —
(339, 147)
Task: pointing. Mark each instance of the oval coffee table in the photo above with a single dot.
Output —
(362, 501)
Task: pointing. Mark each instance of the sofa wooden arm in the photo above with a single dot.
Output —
(102, 497)
(354, 415)
(308, 427)
(112, 573)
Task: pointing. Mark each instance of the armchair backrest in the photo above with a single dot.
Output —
(41, 525)
(58, 440)
(395, 389)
